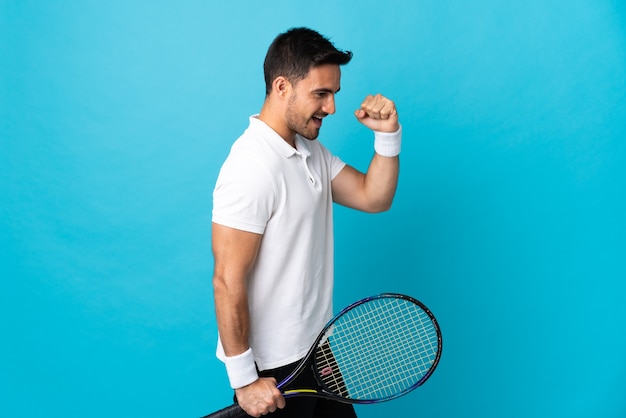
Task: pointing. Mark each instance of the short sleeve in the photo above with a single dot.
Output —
(336, 165)
(243, 197)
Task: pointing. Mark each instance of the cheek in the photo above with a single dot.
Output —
(313, 108)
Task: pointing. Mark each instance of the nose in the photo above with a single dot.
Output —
(329, 104)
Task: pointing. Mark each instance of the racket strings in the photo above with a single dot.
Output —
(329, 370)
(393, 371)
(381, 348)
(389, 356)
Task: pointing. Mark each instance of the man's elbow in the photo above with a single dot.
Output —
(380, 206)
(228, 287)
(219, 285)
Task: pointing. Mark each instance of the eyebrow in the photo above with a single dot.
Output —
(323, 90)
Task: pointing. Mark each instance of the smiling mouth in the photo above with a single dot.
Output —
(318, 120)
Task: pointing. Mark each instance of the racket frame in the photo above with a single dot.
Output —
(309, 360)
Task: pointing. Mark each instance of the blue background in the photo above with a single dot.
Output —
(509, 221)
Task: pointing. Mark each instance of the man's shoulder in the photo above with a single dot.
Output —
(253, 141)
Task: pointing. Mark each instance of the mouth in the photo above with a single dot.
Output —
(317, 120)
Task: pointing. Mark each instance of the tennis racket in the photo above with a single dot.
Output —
(375, 350)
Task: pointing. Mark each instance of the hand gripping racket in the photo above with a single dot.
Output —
(375, 350)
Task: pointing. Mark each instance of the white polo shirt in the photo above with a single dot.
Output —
(267, 187)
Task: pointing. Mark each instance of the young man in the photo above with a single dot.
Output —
(272, 221)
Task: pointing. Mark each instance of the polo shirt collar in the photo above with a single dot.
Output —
(276, 141)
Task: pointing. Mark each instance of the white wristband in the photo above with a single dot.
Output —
(241, 369)
(388, 144)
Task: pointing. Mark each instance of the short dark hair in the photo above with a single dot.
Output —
(293, 53)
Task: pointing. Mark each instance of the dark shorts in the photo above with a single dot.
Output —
(305, 406)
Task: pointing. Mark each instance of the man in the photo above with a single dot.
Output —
(272, 221)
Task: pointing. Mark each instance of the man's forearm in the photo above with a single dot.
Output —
(381, 181)
(233, 316)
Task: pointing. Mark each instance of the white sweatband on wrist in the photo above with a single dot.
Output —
(241, 369)
(388, 144)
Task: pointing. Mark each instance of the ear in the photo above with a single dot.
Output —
(281, 87)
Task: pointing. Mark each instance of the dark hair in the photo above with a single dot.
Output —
(293, 53)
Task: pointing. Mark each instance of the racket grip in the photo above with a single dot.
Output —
(233, 411)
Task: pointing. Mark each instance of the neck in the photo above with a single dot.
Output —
(273, 117)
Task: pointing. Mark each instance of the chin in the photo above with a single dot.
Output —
(311, 136)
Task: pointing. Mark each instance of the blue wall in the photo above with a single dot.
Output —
(509, 221)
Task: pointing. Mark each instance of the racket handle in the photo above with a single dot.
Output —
(233, 411)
